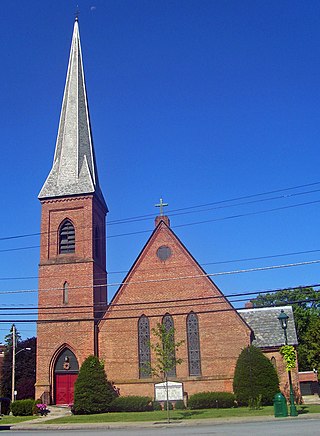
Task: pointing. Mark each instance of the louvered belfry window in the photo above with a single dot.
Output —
(67, 238)
(144, 347)
(168, 324)
(193, 344)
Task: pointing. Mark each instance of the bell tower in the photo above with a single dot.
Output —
(72, 270)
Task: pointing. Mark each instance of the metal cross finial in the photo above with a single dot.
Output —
(161, 205)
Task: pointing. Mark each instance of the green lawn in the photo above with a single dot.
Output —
(5, 420)
(174, 415)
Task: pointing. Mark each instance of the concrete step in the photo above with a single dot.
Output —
(311, 399)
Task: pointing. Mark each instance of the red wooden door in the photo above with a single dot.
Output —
(65, 388)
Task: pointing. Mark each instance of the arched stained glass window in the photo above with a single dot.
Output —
(193, 344)
(65, 293)
(168, 324)
(66, 238)
(144, 347)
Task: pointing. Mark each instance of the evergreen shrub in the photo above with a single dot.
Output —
(131, 403)
(156, 405)
(93, 393)
(22, 407)
(5, 405)
(210, 400)
(179, 405)
(255, 377)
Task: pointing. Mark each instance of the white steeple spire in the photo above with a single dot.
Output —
(74, 169)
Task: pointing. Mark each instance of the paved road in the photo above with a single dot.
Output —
(281, 427)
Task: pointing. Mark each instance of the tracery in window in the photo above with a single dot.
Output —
(193, 344)
(144, 347)
(66, 238)
(168, 324)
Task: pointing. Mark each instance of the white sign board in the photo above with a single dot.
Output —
(175, 391)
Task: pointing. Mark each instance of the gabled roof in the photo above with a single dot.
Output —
(266, 327)
(162, 225)
(74, 168)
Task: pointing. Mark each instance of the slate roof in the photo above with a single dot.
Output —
(74, 169)
(266, 327)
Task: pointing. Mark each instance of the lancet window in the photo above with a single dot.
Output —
(67, 238)
(193, 344)
(65, 293)
(167, 322)
(144, 347)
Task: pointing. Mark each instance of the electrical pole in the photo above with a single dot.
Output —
(13, 362)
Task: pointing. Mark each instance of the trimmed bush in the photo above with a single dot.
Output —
(22, 407)
(131, 403)
(156, 405)
(179, 405)
(93, 393)
(5, 405)
(210, 400)
(254, 376)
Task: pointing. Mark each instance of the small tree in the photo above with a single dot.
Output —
(255, 376)
(93, 393)
(165, 349)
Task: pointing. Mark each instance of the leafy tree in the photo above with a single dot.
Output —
(25, 373)
(254, 376)
(165, 349)
(93, 393)
(306, 309)
(309, 350)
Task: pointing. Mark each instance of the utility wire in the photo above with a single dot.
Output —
(152, 315)
(186, 225)
(173, 211)
(154, 269)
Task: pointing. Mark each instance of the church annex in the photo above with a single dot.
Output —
(164, 285)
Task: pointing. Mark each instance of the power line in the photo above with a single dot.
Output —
(266, 268)
(173, 212)
(246, 259)
(186, 225)
(143, 303)
(152, 315)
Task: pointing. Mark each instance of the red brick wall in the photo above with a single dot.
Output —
(81, 271)
(223, 334)
(280, 366)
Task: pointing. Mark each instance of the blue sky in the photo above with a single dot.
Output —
(196, 101)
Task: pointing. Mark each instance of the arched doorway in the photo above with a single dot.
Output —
(65, 374)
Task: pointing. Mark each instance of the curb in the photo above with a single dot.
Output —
(153, 424)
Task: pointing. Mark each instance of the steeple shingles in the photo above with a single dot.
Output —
(74, 170)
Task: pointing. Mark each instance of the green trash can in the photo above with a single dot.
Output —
(280, 406)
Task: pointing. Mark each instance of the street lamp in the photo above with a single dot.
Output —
(283, 319)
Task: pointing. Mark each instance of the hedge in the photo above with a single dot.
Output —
(179, 405)
(22, 407)
(210, 400)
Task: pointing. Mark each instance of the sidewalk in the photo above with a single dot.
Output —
(41, 423)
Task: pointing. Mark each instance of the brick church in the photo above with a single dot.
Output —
(164, 285)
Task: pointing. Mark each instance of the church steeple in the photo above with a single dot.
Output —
(74, 170)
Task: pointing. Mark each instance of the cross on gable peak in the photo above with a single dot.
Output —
(161, 205)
